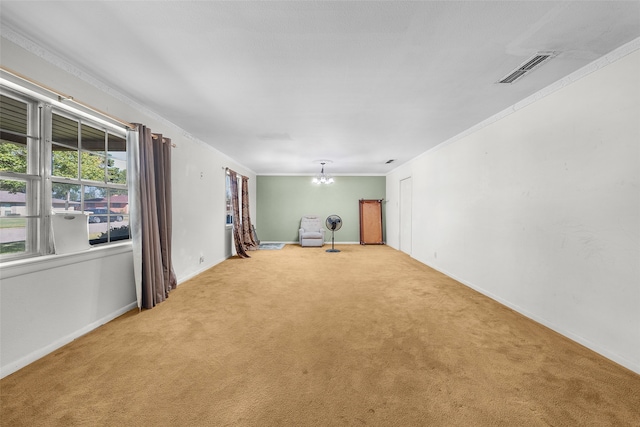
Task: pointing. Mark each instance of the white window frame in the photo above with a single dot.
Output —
(35, 238)
(228, 202)
(38, 241)
(79, 181)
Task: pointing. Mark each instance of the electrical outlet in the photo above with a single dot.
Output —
(201, 259)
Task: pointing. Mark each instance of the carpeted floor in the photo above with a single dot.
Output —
(302, 337)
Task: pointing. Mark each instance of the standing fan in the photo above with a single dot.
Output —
(334, 223)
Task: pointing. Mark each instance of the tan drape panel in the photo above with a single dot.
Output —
(247, 229)
(237, 222)
(158, 276)
(242, 229)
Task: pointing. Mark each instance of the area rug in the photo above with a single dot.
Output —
(271, 246)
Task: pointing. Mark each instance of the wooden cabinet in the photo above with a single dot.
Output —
(371, 222)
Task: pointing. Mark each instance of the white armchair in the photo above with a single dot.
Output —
(311, 231)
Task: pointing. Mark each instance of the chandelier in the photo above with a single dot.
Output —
(322, 178)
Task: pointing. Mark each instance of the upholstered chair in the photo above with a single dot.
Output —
(311, 231)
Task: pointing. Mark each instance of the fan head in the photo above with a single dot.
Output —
(334, 222)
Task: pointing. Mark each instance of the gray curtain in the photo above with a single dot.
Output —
(158, 276)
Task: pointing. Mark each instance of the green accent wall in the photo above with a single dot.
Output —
(283, 200)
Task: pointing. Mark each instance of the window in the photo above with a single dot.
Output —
(89, 173)
(53, 159)
(229, 195)
(20, 180)
(229, 201)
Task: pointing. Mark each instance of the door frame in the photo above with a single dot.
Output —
(405, 215)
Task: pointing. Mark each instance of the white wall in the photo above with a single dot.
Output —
(69, 295)
(199, 213)
(45, 304)
(540, 210)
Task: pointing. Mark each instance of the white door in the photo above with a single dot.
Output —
(405, 215)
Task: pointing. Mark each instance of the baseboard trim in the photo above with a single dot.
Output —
(14, 366)
(297, 243)
(183, 279)
(626, 363)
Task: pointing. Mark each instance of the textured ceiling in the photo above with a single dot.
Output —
(280, 85)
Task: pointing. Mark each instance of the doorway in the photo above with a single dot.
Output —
(405, 215)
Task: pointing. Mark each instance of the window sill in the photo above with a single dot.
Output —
(31, 265)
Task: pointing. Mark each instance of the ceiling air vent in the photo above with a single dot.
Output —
(527, 66)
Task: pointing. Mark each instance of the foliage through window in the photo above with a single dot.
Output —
(51, 159)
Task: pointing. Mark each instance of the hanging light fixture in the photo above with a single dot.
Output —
(322, 178)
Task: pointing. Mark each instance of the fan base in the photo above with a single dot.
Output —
(333, 250)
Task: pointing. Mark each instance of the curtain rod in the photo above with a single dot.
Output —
(155, 136)
(64, 97)
(226, 169)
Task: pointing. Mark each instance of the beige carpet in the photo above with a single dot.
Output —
(301, 337)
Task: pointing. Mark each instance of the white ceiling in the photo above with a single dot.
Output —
(279, 86)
